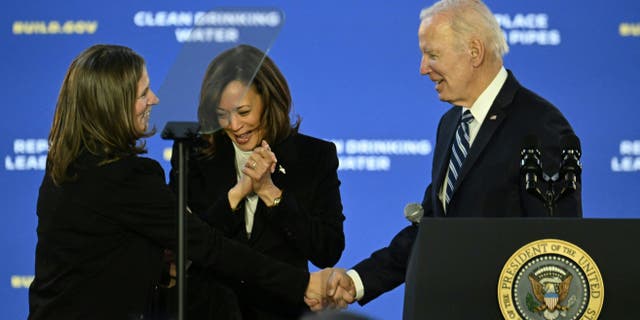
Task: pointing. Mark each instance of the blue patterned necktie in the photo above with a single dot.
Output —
(459, 149)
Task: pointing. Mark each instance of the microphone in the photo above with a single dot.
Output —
(570, 167)
(530, 168)
(413, 212)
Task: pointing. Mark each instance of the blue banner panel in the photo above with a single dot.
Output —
(353, 69)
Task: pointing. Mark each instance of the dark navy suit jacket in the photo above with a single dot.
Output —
(489, 184)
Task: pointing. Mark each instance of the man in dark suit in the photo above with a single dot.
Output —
(476, 164)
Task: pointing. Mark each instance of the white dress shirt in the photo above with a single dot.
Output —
(251, 201)
(479, 110)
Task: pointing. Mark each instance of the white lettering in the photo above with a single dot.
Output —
(245, 19)
(523, 21)
(30, 146)
(207, 35)
(197, 17)
(162, 19)
(625, 164)
(395, 147)
(20, 162)
(365, 163)
(339, 145)
(530, 37)
(630, 147)
(201, 18)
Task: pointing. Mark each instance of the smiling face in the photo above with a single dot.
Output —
(145, 99)
(239, 114)
(446, 61)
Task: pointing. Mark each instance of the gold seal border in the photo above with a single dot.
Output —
(563, 248)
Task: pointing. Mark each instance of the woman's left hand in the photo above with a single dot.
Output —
(260, 165)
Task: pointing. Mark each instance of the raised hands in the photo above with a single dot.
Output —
(259, 167)
(257, 177)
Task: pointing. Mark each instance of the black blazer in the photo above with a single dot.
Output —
(305, 226)
(101, 239)
(489, 183)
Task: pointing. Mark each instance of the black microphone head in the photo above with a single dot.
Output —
(531, 141)
(530, 153)
(530, 157)
(570, 168)
(570, 142)
(530, 167)
(571, 153)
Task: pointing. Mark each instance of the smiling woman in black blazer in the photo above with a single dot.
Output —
(272, 188)
(105, 214)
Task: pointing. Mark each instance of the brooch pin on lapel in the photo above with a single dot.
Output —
(281, 169)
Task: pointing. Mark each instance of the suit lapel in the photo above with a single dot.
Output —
(287, 155)
(443, 152)
(496, 115)
(287, 162)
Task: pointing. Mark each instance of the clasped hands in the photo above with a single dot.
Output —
(256, 177)
(330, 288)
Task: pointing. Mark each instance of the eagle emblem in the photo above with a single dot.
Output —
(550, 285)
(544, 280)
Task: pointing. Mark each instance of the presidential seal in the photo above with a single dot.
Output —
(550, 279)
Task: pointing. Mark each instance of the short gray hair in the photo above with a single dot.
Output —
(471, 17)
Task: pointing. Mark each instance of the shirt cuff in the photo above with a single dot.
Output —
(357, 282)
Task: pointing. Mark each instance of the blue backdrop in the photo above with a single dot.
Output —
(353, 71)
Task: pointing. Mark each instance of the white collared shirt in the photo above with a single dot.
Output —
(251, 200)
(479, 110)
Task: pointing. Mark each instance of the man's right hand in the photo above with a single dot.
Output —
(341, 290)
(330, 288)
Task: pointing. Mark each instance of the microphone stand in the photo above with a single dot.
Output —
(570, 169)
(183, 134)
(549, 196)
(531, 171)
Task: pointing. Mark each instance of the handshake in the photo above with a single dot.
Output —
(330, 288)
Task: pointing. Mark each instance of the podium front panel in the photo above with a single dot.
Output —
(456, 263)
